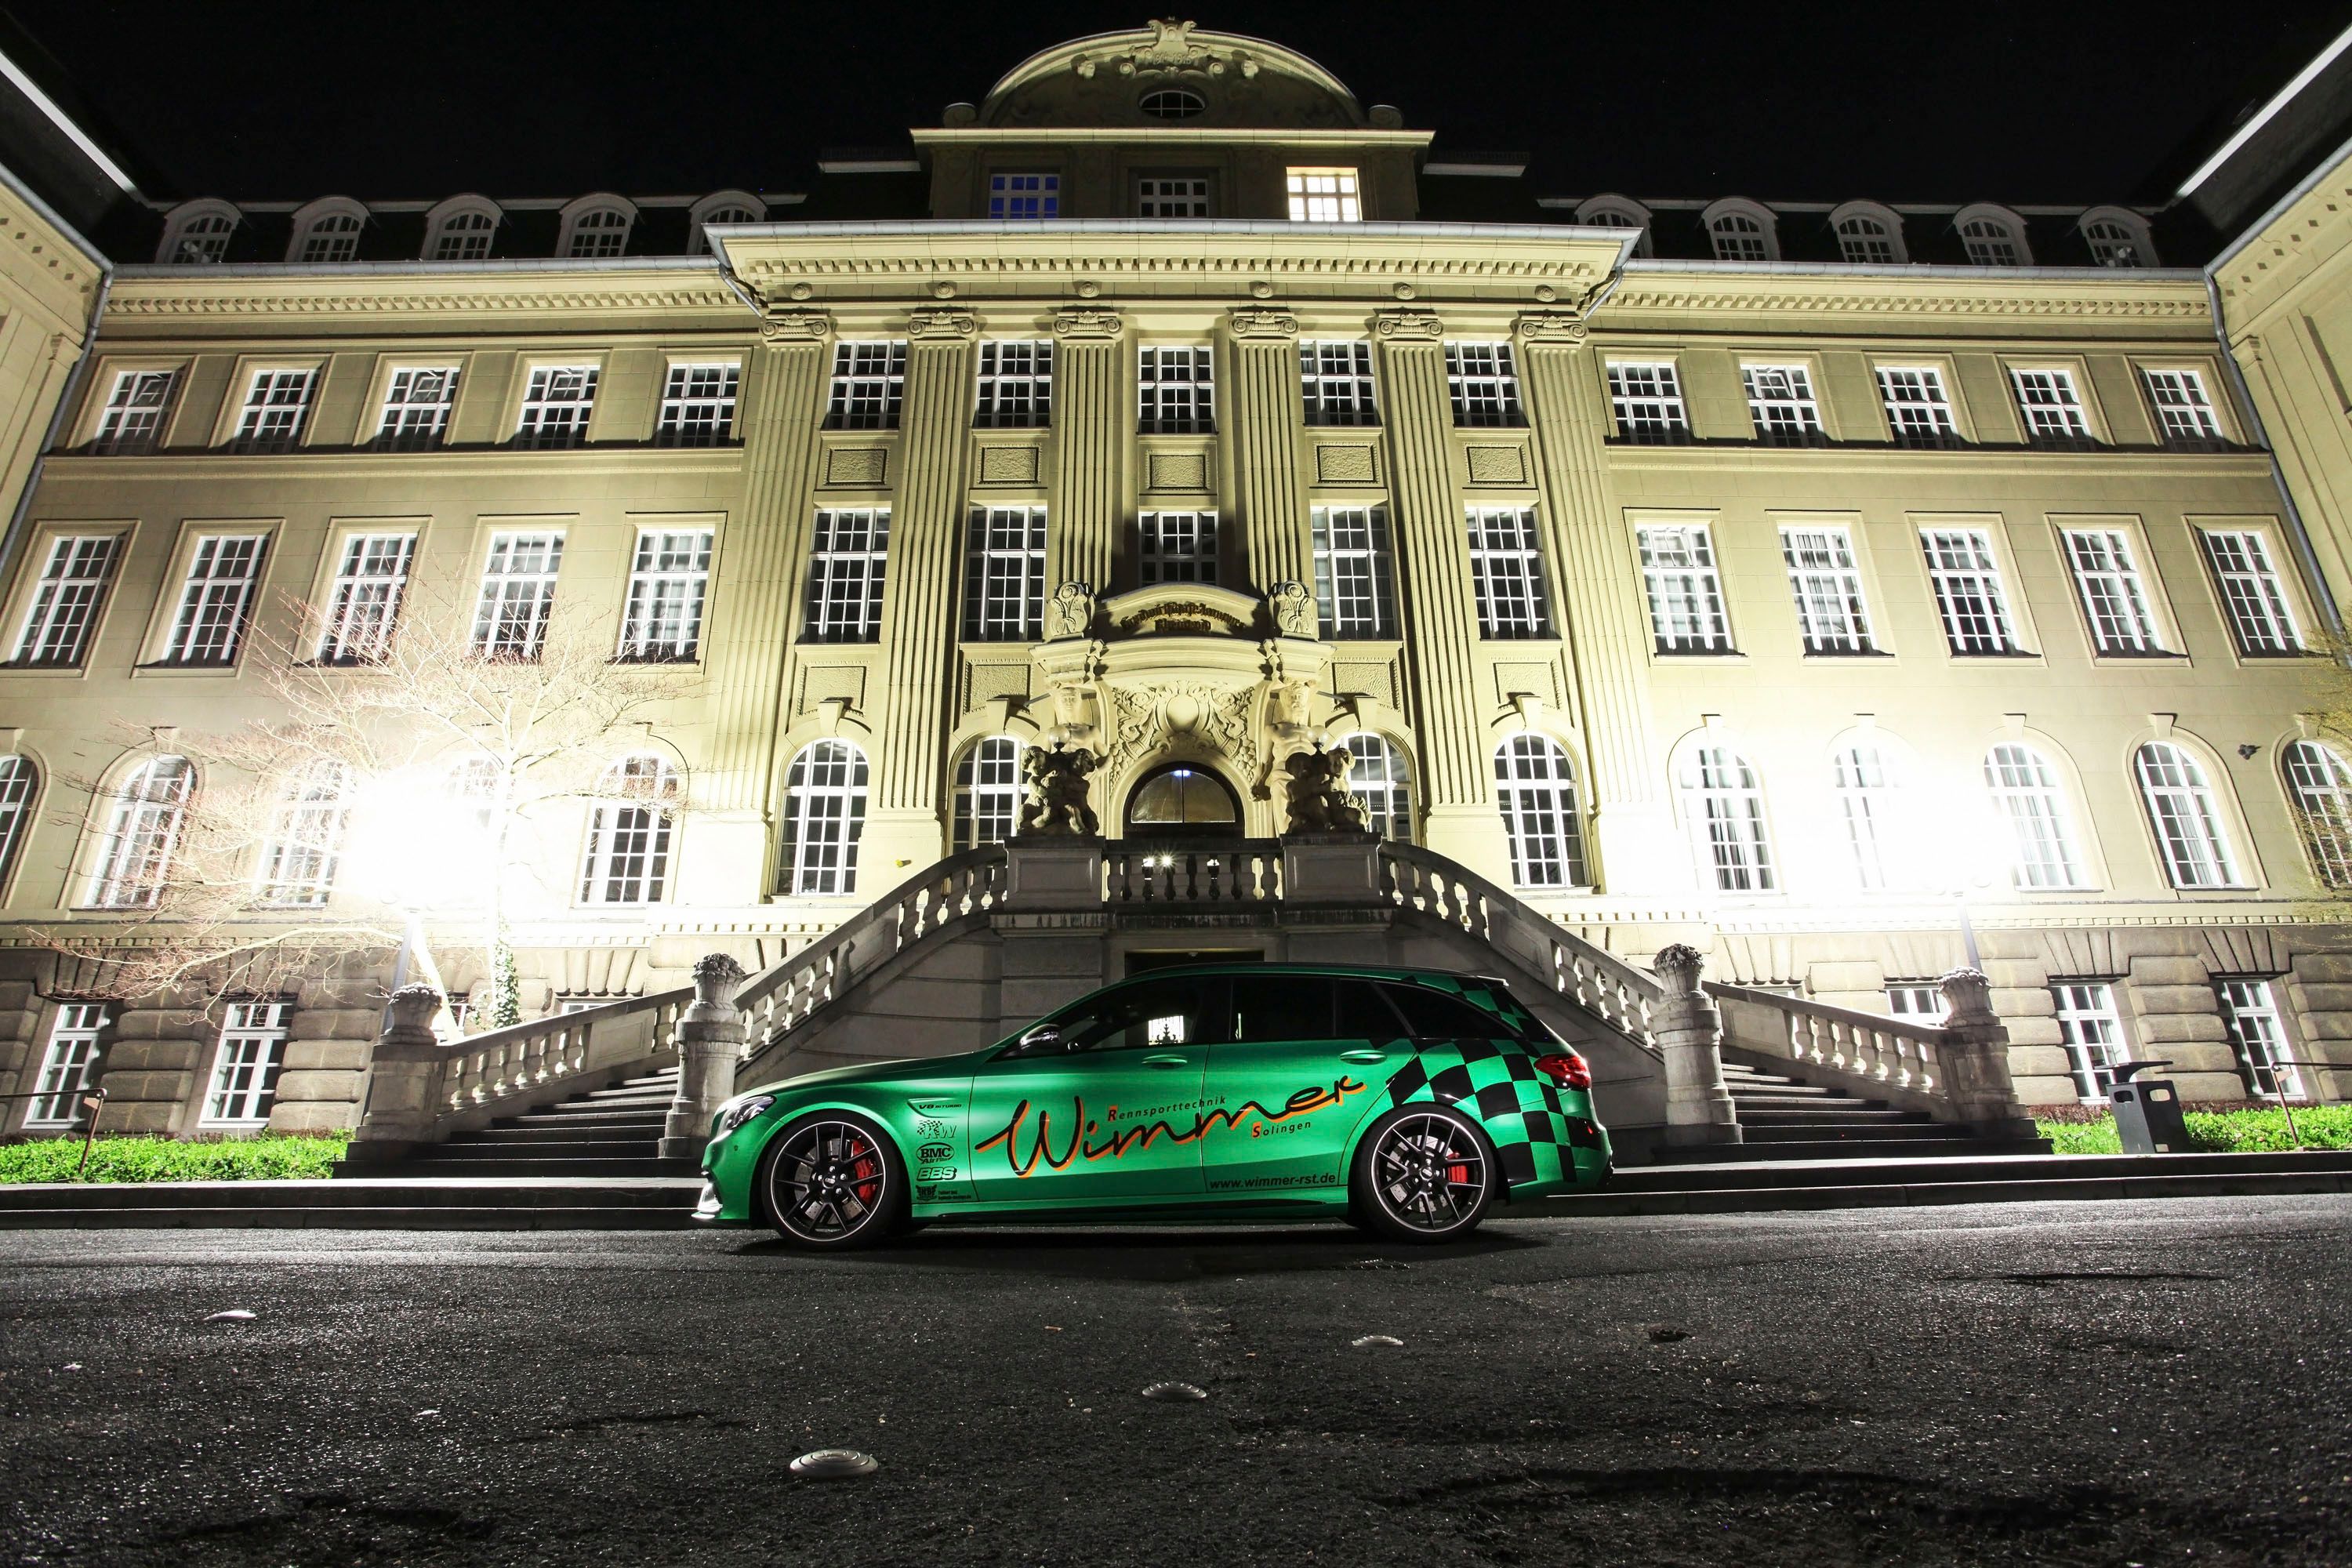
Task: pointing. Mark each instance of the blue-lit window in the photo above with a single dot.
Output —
(1024, 197)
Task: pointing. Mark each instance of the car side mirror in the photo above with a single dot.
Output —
(1042, 1041)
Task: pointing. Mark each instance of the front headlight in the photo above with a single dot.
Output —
(742, 1110)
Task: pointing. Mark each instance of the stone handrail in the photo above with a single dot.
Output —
(1887, 1059)
(1189, 871)
(506, 1071)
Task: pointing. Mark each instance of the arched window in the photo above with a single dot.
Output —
(2042, 838)
(1617, 212)
(1742, 231)
(595, 227)
(1724, 805)
(19, 781)
(1993, 236)
(460, 229)
(629, 828)
(2320, 785)
(306, 835)
(988, 793)
(723, 206)
(198, 233)
(2117, 238)
(2187, 819)
(1381, 783)
(1172, 103)
(327, 231)
(149, 814)
(825, 816)
(1182, 800)
(1535, 785)
(1865, 794)
(1869, 234)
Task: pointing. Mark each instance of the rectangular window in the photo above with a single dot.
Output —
(2260, 1037)
(416, 409)
(1324, 195)
(68, 1068)
(2184, 414)
(1507, 572)
(365, 600)
(1005, 574)
(132, 420)
(2251, 595)
(1162, 195)
(1648, 401)
(2091, 1034)
(556, 405)
(64, 611)
(245, 1069)
(1485, 382)
(274, 404)
(1177, 546)
(215, 598)
(845, 582)
(2052, 408)
(1918, 410)
(518, 593)
(1351, 572)
(869, 385)
(1685, 595)
(1780, 400)
(698, 406)
(1916, 1002)
(2114, 600)
(1177, 396)
(1016, 385)
(1830, 612)
(1967, 579)
(1025, 198)
(663, 622)
(1336, 379)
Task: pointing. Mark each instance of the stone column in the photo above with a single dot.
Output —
(1091, 424)
(1263, 414)
(1976, 1059)
(1690, 1035)
(402, 1080)
(710, 1043)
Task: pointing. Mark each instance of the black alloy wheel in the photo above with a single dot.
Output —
(1422, 1172)
(836, 1181)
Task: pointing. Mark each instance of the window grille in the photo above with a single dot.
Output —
(1781, 401)
(1484, 380)
(1687, 614)
(1918, 411)
(1725, 806)
(365, 600)
(668, 582)
(848, 554)
(1535, 785)
(1865, 241)
(555, 406)
(825, 817)
(988, 793)
(2319, 783)
(333, 237)
(2187, 819)
(215, 598)
(1016, 385)
(1177, 546)
(1738, 237)
(276, 402)
(598, 233)
(1335, 378)
(869, 383)
(1380, 782)
(518, 595)
(1507, 572)
(2091, 1034)
(68, 1066)
(1324, 195)
(2113, 601)
(717, 215)
(2113, 245)
(132, 420)
(464, 237)
(246, 1064)
(1967, 580)
(2184, 414)
(65, 601)
(148, 812)
(1025, 198)
(2258, 1036)
(1171, 196)
(2251, 594)
(1005, 574)
(1831, 614)
(2052, 408)
(305, 843)
(1991, 243)
(416, 408)
(1172, 103)
(1648, 401)
(203, 240)
(629, 830)
(1866, 802)
(2026, 796)
(1351, 572)
(20, 780)
(1177, 392)
(698, 406)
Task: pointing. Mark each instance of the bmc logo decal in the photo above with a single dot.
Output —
(929, 1153)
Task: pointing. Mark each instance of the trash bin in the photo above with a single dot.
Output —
(2148, 1111)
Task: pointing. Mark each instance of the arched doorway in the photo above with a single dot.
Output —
(1182, 800)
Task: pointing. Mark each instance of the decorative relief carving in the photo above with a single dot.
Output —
(1409, 326)
(1170, 51)
(1081, 322)
(1346, 465)
(1292, 608)
(785, 325)
(1008, 465)
(1549, 327)
(1180, 616)
(1250, 322)
(1071, 613)
(941, 324)
(865, 466)
(1177, 471)
(1496, 464)
(1195, 717)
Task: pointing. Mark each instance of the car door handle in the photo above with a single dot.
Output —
(1167, 1061)
(1363, 1054)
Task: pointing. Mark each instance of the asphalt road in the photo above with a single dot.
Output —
(2162, 1382)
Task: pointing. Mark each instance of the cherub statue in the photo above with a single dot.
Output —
(1316, 784)
(1053, 781)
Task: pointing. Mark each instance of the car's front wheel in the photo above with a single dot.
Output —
(1422, 1172)
(833, 1180)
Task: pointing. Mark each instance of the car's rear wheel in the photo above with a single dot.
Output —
(1422, 1172)
(833, 1180)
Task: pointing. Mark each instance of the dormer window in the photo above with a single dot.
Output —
(2117, 239)
(1324, 195)
(595, 229)
(1024, 197)
(723, 208)
(1868, 235)
(326, 233)
(1994, 237)
(1172, 103)
(460, 230)
(1617, 212)
(198, 234)
(1742, 231)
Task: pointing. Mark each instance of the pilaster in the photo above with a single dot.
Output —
(1090, 427)
(1265, 414)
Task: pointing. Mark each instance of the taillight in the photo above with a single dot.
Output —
(1567, 1069)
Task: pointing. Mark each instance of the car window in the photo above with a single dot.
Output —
(1151, 1013)
(1435, 1015)
(1365, 1013)
(1267, 1008)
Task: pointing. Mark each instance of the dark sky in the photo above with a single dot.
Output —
(2062, 100)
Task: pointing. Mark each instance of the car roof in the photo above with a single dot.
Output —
(1359, 971)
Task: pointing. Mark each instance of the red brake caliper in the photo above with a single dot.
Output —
(1458, 1175)
(866, 1170)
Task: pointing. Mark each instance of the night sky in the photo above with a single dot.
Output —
(2060, 102)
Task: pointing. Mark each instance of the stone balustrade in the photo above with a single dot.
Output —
(1148, 871)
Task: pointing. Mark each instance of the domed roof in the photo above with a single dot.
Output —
(1167, 74)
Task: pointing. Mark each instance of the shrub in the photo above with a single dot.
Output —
(2249, 1131)
(269, 1157)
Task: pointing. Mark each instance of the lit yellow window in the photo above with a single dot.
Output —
(1324, 195)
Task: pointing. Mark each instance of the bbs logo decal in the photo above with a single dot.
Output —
(936, 1173)
(931, 1151)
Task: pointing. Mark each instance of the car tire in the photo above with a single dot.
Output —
(832, 1181)
(1423, 1174)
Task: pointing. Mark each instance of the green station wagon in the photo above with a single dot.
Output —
(1406, 1101)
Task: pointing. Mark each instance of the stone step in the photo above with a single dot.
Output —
(472, 1189)
(641, 1163)
(650, 1094)
(1850, 1149)
(1825, 1129)
(1853, 1173)
(1856, 1116)
(1785, 1090)
(454, 1152)
(1778, 1101)
(595, 1116)
(557, 1135)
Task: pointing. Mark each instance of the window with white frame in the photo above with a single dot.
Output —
(1172, 195)
(598, 233)
(869, 385)
(145, 820)
(1335, 379)
(1380, 782)
(1967, 579)
(306, 836)
(275, 403)
(68, 1066)
(331, 237)
(365, 603)
(1916, 1002)
(1832, 614)
(2090, 1033)
(1484, 382)
(2114, 601)
(1176, 393)
(825, 817)
(1507, 572)
(2319, 784)
(1004, 573)
(201, 240)
(2252, 595)
(630, 823)
(1648, 401)
(2181, 808)
(1018, 198)
(1918, 409)
(463, 237)
(215, 598)
(1176, 547)
(1992, 243)
(1724, 805)
(2184, 414)
(1535, 786)
(518, 595)
(2113, 244)
(2052, 408)
(66, 599)
(2258, 1034)
(1865, 798)
(1738, 236)
(132, 419)
(988, 793)
(1323, 195)
(1781, 401)
(556, 403)
(1686, 594)
(416, 406)
(668, 582)
(731, 212)
(1352, 571)
(1016, 385)
(246, 1064)
(19, 782)
(1865, 241)
(847, 554)
(2026, 796)
(698, 406)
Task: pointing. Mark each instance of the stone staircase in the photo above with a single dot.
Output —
(1785, 1118)
(603, 1132)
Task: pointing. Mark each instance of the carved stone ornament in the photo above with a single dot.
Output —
(1315, 788)
(716, 976)
(786, 324)
(1085, 322)
(1292, 608)
(1678, 967)
(1408, 327)
(1251, 323)
(1550, 327)
(1147, 723)
(1170, 50)
(935, 325)
(1071, 612)
(1967, 999)
(1054, 791)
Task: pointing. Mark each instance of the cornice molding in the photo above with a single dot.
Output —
(941, 325)
(136, 303)
(1248, 321)
(2183, 303)
(1409, 326)
(1086, 323)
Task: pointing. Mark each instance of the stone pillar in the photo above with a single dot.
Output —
(1264, 416)
(1330, 869)
(1091, 425)
(403, 1101)
(1690, 1035)
(1045, 872)
(1976, 1059)
(710, 1043)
